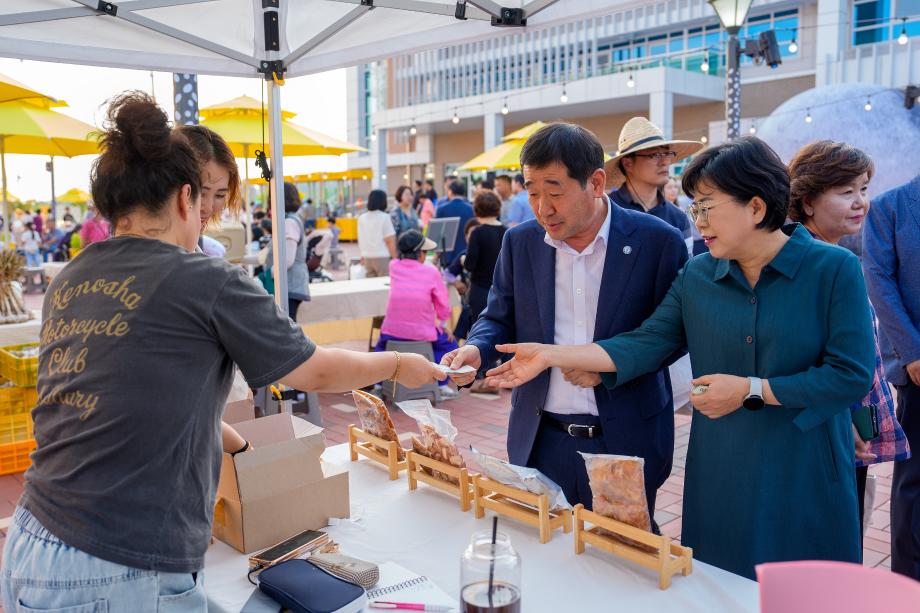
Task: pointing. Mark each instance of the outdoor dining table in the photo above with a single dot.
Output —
(425, 532)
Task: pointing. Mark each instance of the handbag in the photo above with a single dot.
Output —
(305, 588)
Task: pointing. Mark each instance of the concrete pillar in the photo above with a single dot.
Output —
(378, 151)
(494, 130)
(661, 111)
(830, 37)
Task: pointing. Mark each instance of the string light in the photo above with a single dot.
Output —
(902, 39)
(868, 105)
(563, 98)
(793, 47)
(456, 118)
(505, 106)
(413, 130)
(753, 129)
(808, 116)
(704, 139)
(705, 65)
(630, 82)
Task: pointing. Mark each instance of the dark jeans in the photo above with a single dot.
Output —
(293, 305)
(905, 489)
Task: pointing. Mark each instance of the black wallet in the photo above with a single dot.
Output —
(305, 588)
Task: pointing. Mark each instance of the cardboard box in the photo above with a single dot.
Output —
(241, 410)
(279, 488)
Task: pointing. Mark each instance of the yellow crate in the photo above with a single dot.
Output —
(14, 457)
(15, 428)
(15, 400)
(21, 371)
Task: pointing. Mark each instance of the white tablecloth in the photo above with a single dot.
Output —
(355, 299)
(21, 333)
(426, 532)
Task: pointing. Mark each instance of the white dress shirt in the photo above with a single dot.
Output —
(577, 291)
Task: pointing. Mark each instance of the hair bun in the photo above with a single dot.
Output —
(138, 128)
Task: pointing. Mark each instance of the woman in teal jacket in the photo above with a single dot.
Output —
(780, 339)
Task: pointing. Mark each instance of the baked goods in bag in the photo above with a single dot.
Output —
(375, 419)
(618, 490)
(437, 436)
(523, 478)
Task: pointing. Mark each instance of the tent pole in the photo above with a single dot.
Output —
(276, 191)
(7, 224)
(247, 218)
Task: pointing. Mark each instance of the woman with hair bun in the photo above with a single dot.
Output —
(139, 339)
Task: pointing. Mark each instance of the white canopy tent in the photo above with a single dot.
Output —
(269, 39)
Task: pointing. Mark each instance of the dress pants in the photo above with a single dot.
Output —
(905, 489)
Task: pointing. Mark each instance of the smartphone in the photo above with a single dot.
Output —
(290, 548)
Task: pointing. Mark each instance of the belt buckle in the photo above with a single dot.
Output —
(590, 430)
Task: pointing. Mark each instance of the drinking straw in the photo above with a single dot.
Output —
(492, 559)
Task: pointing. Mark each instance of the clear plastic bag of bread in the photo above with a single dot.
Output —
(375, 419)
(437, 436)
(523, 478)
(618, 491)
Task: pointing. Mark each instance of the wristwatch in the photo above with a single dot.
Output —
(754, 400)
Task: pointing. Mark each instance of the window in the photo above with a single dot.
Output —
(876, 21)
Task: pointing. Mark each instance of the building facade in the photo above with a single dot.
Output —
(423, 115)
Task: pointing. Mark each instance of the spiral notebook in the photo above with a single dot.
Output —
(398, 584)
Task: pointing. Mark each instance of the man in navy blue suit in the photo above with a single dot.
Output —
(456, 206)
(582, 270)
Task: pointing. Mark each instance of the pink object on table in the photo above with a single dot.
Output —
(834, 587)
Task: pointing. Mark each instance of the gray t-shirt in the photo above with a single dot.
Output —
(138, 343)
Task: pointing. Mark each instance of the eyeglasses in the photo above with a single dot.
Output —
(698, 211)
(659, 156)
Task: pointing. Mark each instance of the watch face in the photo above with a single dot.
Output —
(753, 403)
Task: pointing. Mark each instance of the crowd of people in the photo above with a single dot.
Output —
(580, 303)
(41, 237)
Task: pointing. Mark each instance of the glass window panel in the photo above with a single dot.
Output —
(695, 41)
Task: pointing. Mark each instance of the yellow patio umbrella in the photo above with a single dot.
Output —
(239, 121)
(12, 91)
(507, 155)
(75, 195)
(242, 122)
(32, 127)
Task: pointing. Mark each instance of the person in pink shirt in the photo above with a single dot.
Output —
(418, 307)
(94, 229)
(426, 211)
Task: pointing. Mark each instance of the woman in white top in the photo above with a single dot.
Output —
(376, 235)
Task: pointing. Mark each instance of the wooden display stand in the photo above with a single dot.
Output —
(376, 449)
(463, 489)
(530, 508)
(668, 559)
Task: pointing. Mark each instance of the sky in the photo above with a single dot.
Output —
(318, 100)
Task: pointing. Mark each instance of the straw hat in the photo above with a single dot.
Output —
(637, 135)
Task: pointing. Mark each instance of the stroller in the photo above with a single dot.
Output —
(314, 262)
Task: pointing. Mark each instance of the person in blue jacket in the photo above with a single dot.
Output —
(891, 250)
(583, 270)
(781, 344)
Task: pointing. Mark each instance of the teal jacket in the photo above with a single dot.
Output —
(776, 484)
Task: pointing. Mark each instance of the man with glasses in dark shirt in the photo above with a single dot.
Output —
(640, 169)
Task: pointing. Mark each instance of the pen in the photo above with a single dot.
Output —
(409, 606)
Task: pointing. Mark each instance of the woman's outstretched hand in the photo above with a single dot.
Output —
(530, 359)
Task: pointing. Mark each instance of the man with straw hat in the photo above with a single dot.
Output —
(640, 169)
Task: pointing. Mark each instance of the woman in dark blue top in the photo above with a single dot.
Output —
(777, 325)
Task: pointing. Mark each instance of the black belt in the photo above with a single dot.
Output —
(575, 430)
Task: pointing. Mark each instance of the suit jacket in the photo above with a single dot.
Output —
(891, 250)
(637, 418)
(458, 207)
